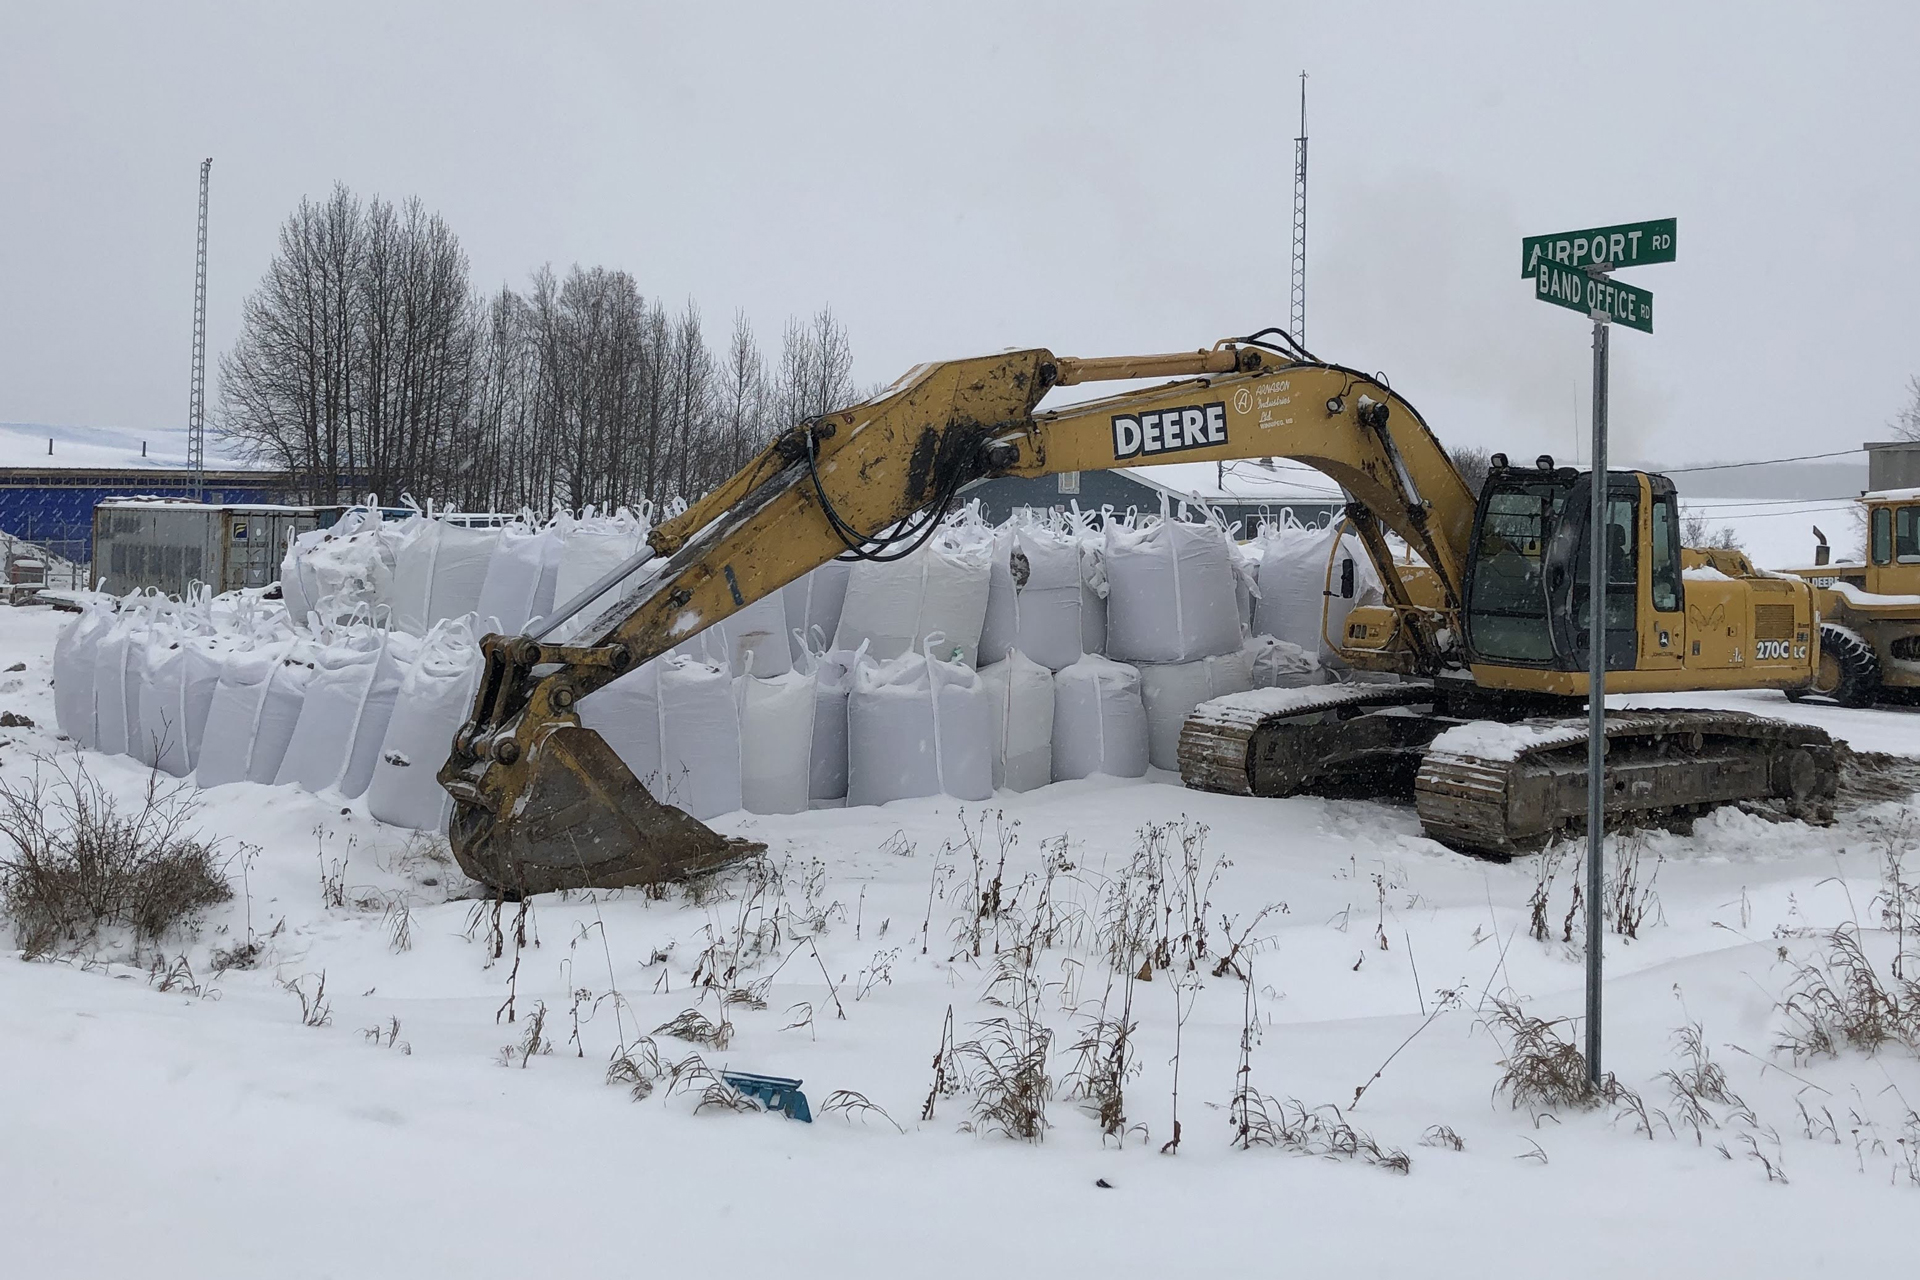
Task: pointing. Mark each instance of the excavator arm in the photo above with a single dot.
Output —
(542, 803)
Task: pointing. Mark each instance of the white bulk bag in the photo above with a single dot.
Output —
(439, 568)
(116, 723)
(74, 657)
(344, 567)
(814, 600)
(918, 726)
(1170, 692)
(522, 575)
(1099, 722)
(776, 741)
(750, 641)
(941, 587)
(1021, 691)
(1276, 664)
(591, 548)
(832, 675)
(1093, 578)
(672, 723)
(1301, 575)
(343, 719)
(177, 695)
(150, 658)
(1170, 592)
(434, 700)
(1033, 596)
(227, 741)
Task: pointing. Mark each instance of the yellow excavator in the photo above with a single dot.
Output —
(1488, 630)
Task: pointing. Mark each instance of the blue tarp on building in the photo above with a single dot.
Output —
(54, 506)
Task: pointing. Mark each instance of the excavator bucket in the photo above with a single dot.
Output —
(582, 820)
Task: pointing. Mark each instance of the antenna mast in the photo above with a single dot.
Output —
(1297, 313)
(197, 397)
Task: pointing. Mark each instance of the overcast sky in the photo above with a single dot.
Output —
(953, 179)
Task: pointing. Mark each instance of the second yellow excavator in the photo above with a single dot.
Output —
(1488, 631)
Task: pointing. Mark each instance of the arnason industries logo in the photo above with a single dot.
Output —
(1169, 431)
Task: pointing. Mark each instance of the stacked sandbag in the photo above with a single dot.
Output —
(1276, 664)
(439, 569)
(918, 726)
(892, 605)
(592, 547)
(115, 655)
(776, 741)
(255, 707)
(1099, 721)
(673, 723)
(75, 655)
(335, 570)
(434, 700)
(176, 700)
(1170, 591)
(1302, 572)
(750, 641)
(813, 603)
(1033, 595)
(523, 574)
(1170, 692)
(343, 718)
(1021, 693)
(1086, 530)
(832, 675)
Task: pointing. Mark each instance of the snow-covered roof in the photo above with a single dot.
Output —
(24, 444)
(1242, 481)
(1892, 495)
(170, 504)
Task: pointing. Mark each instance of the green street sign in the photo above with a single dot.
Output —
(1578, 291)
(1631, 244)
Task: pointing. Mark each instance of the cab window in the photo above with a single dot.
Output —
(1666, 555)
(1882, 535)
(1507, 607)
(1906, 535)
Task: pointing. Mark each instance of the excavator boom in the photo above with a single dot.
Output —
(541, 803)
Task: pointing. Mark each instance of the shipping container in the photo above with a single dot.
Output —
(169, 546)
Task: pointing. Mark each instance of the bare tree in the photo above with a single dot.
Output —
(1474, 465)
(1906, 423)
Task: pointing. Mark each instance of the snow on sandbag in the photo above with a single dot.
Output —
(1302, 572)
(672, 723)
(592, 547)
(1099, 721)
(941, 587)
(918, 726)
(439, 568)
(116, 723)
(1170, 692)
(343, 718)
(776, 741)
(74, 657)
(1170, 592)
(1021, 691)
(1276, 664)
(1033, 595)
(522, 576)
(832, 675)
(814, 600)
(750, 641)
(434, 700)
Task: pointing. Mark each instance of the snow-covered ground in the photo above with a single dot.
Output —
(204, 1131)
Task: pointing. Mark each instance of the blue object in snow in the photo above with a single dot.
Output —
(775, 1093)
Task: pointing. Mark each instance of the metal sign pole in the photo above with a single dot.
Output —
(1596, 693)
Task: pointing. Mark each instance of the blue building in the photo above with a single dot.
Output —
(53, 506)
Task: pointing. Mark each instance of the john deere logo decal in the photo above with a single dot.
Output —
(1169, 431)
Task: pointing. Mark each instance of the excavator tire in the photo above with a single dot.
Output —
(1501, 790)
(1849, 670)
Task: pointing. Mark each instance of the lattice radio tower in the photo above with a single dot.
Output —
(197, 397)
(1297, 312)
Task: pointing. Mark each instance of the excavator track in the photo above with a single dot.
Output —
(1326, 740)
(1503, 789)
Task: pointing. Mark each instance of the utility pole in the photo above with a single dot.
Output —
(1297, 311)
(197, 396)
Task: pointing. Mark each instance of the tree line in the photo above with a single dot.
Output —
(367, 362)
